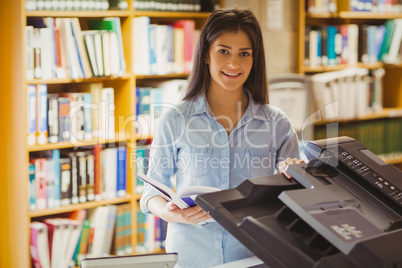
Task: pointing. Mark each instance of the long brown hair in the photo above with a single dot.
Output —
(229, 20)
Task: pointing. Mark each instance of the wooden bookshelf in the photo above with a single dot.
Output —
(79, 14)
(338, 67)
(174, 15)
(87, 205)
(392, 80)
(16, 217)
(14, 232)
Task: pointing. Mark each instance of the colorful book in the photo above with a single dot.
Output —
(41, 115)
(31, 116)
(39, 245)
(121, 186)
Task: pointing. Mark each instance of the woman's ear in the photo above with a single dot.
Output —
(206, 60)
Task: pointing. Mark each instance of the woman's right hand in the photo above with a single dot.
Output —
(169, 212)
(191, 215)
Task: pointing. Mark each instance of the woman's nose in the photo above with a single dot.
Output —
(234, 62)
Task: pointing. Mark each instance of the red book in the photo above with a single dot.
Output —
(55, 229)
(97, 154)
(39, 245)
(40, 178)
(188, 27)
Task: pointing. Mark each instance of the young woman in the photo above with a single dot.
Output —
(222, 133)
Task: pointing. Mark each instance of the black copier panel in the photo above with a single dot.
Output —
(342, 209)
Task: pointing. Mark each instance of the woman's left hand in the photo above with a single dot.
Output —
(284, 164)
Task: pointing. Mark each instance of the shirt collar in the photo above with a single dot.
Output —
(255, 110)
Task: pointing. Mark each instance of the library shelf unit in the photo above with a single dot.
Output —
(14, 209)
(391, 82)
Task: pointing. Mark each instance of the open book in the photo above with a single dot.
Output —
(183, 198)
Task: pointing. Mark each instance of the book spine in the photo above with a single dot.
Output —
(82, 177)
(40, 178)
(64, 119)
(97, 173)
(32, 187)
(50, 183)
(91, 177)
(65, 179)
(29, 52)
(31, 117)
(87, 99)
(121, 172)
(74, 179)
(41, 113)
(53, 119)
(56, 159)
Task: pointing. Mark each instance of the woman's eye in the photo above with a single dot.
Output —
(245, 54)
(223, 51)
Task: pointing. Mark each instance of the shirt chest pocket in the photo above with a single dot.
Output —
(258, 162)
(194, 162)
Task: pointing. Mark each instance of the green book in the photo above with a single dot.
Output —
(390, 29)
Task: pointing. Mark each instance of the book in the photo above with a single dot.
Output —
(54, 239)
(39, 245)
(184, 198)
(31, 115)
(32, 187)
(41, 114)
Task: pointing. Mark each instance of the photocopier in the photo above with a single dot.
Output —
(341, 209)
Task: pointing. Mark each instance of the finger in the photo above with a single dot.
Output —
(290, 161)
(282, 166)
(199, 217)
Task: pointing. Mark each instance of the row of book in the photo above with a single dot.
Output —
(349, 93)
(382, 137)
(90, 5)
(163, 49)
(64, 241)
(350, 44)
(70, 116)
(141, 165)
(321, 6)
(152, 101)
(58, 48)
(176, 5)
(63, 177)
(377, 6)
(151, 233)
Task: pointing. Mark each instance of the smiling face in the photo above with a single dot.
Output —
(230, 61)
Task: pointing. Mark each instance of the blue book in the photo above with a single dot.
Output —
(79, 56)
(42, 114)
(145, 101)
(319, 46)
(31, 102)
(32, 187)
(331, 33)
(152, 49)
(56, 160)
(121, 186)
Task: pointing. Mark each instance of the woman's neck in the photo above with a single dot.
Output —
(224, 102)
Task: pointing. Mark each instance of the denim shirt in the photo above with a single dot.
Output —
(191, 144)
